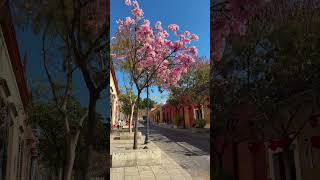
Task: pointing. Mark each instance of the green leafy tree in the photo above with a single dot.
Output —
(128, 105)
(145, 101)
(80, 30)
(195, 84)
(47, 119)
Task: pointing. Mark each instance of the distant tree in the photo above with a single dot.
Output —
(144, 103)
(128, 104)
(80, 27)
(196, 83)
(47, 119)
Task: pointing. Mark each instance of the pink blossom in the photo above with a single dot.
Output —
(166, 34)
(173, 27)
(158, 25)
(120, 25)
(137, 12)
(187, 40)
(129, 21)
(194, 51)
(194, 37)
(187, 33)
(154, 48)
(136, 4)
(179, 44)
(127, 2)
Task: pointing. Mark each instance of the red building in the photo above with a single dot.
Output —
(252, 157)
(188, 112)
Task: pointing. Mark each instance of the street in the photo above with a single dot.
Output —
(190, 151)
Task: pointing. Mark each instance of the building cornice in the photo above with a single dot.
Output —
(9, 35)
(113, 74)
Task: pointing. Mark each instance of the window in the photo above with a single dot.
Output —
(198, 114)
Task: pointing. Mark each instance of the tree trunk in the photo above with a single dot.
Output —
(135, 143)
(131, 117)
(59, 175)
(91, 125)
(220, 161)
(286, 160)
(235, 160)
(71, 146)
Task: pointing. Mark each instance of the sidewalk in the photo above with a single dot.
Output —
(168, 170)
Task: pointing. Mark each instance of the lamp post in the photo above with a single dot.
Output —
(146, 141)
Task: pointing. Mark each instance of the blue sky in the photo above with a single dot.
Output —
(190, 15)
(30, 44)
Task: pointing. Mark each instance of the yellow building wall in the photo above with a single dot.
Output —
(7, 73)
(114, 100)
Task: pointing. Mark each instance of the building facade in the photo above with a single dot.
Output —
(188, 112)
(156, 115)
(18, 151)
(114, 97)
(263, 159)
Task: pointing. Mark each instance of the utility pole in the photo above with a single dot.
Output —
(146, 141)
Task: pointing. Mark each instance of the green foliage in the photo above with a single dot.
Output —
(127, 99)
(177, 120)
(144, 103)
(199, 123)
(47, 119)
(177, 96)
(195, 83)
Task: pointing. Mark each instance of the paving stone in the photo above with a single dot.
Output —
(163, 177)
(131, 171)
(132, 177)
(167, 170)
(158, 170)
(187, 176)
(147, 175)
(117, 170)
(174, 172)
(148, 178)
(144, 168)
(117, 176)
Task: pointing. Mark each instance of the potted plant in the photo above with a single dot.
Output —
(199, 123)
(198, 126)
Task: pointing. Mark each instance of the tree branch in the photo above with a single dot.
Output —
(95, 43)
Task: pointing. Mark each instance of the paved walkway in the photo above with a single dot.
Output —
(168, 170)
(190, 150)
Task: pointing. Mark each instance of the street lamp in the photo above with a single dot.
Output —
(146, 141)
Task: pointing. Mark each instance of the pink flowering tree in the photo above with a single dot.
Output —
(231, 18)
(275, 16)
(148, 55)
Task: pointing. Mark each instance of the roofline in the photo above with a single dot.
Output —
(113, 73)
(9, 34)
